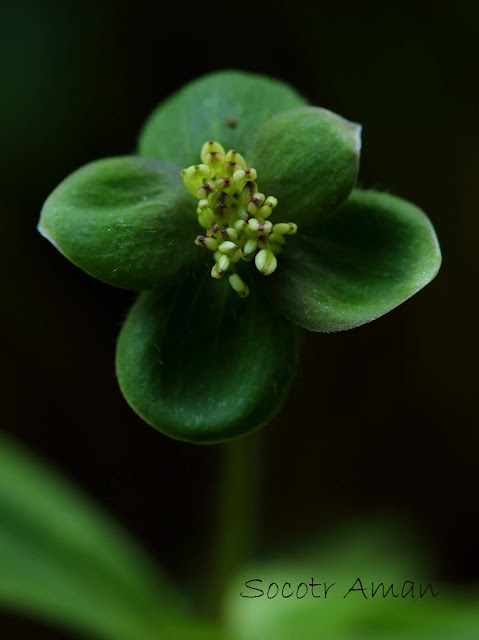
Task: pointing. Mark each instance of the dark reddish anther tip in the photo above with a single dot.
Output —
(231, 122)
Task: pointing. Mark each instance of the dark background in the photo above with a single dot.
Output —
(381, 418)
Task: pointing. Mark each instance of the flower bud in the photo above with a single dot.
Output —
(266, 227)
(239, 224)
(255, 203)
(204, 191)
(271, 202)
(202, 221)
(238, 285)
(285, 228)
(231, 233)
(211, 147)
(220, 267)
(234, 156)
(223, 184)
(245, 174)
(249, 248)
(205, 241)
(265, 262)
(209, 216)
(275, 248)
(231, 168)
(247, 193)
(226, 246)
(198, 171)
(254, 224)
(276, 238)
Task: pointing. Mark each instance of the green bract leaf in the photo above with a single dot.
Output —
(308, 158)
(127, 221)
(373, 255)
(227, 106)
(61, 559)
(201, 364)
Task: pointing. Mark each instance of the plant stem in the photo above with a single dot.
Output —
(237, 526)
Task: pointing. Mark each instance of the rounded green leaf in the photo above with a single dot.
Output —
(127, 221)
(308, 158)
(203, 365)
(373, 255)
(227, 106)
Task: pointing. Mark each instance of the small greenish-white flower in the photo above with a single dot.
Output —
(238, 221)
(234, 214)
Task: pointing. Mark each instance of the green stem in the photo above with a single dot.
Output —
(237, 515)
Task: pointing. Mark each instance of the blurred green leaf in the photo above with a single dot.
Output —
(127, 221)
(227, 106)
(201, 364)
(62, 560)
(375, 551)
(308, 158)
(375, 253)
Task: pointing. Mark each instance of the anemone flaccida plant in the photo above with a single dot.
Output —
(238, 222)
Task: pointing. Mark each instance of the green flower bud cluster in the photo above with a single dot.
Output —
(234, 214)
